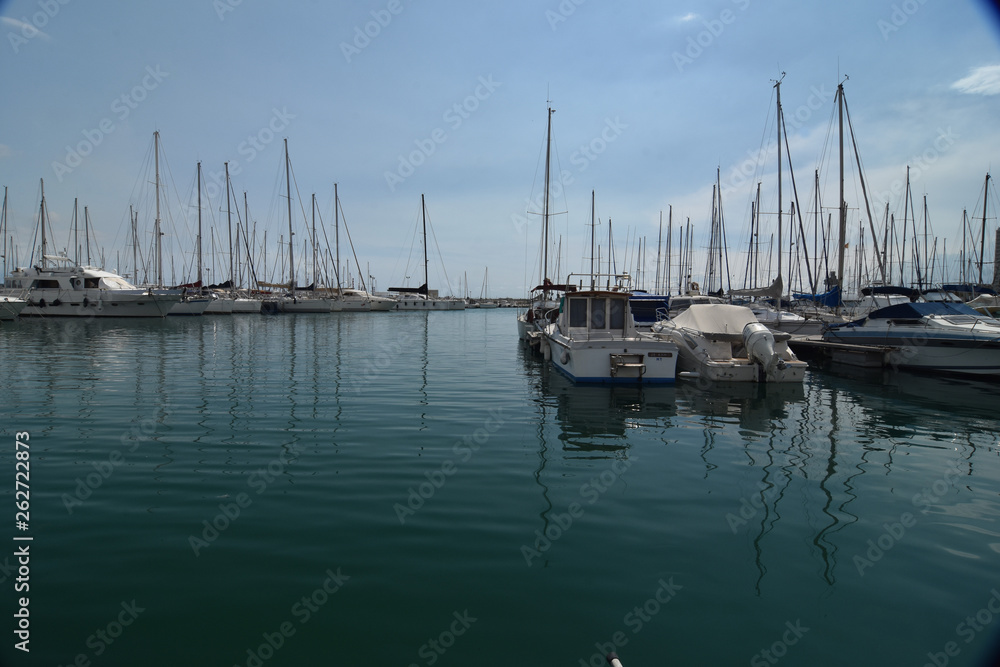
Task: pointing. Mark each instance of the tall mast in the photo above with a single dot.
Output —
(135, 265)
(41, 218)
(315, 271)
(291, 245)
(982, 237)
(545, 207)
(593, 229)
(670, 230)
(156, 224)
(3, 230)
(336, 233)
(76, 230)
(198, 279)
(842, 203)
(659, 246)
(86, 232)
(777, 86)
(229, 222)
(423, 215)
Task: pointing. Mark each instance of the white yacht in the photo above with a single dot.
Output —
(938, 337)
(86, 291)
(726, 343)
(594, 339)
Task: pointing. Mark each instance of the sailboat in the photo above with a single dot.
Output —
(420, 298)
(11, 304)
(351, 298)
(544, 306)
(195, 301)
(298, 300)
(485, 302)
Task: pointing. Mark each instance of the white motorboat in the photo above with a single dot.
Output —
(594, 339)
(726, 343)
(938, 337)
(86, 291)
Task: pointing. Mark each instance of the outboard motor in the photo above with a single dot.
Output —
(759, 343)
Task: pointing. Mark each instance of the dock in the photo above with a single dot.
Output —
(813, 348)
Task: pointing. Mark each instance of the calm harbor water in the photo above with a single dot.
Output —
(412, 489)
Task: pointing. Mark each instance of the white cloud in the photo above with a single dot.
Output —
(687, 18)
(981, 81)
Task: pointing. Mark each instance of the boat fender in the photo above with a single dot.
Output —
(57, 302)
(41, 303)
(564, 357)
(86, 302)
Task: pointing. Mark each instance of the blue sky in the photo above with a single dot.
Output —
(394, 98)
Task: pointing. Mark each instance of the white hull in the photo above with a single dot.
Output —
(245, 306)
(220, 306)
(613, 361)
(190, 307)
(86, 291)
(724, 343)
(11, 307)
(938, 337)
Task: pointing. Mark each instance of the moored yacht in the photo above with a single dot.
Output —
(86, 291)
(938, 337)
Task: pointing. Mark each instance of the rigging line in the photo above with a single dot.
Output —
(347, 229)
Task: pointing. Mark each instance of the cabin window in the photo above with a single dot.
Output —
(616, 314)
(597, 314)
(46, 284)
(91, 283)
(578, 312)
